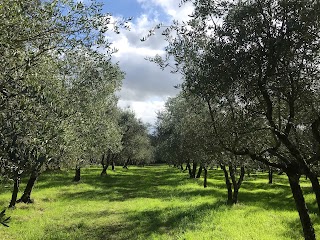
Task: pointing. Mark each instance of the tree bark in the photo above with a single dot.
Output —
(102, 160)
(205, 177)
(237, 186)
(315, 187)
(26, 196)
(189, 169)
(308, 230)
(270, 174)
(104, 170)
(199, 172)
(105, 164)
(194, 170)
(15, 192)
(113, 166)
(77, 175)
(228, 184)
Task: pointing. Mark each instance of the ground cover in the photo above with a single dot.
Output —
(155, 203)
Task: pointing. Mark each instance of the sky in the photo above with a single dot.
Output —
(145, 87)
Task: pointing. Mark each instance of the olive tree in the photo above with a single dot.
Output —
(136, 144)
(264, 57)
(193, 137)
(91, 128)
(35, 36)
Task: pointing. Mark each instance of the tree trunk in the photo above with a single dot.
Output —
(15, 192)
(181, 167)
(237, 185)
(189, 169)
(126, 163)
(228, 184)
(205, 177)
(102, 160)
(315, 187)
(105, 164)
(77, 175)
(270, 174)
(199, 172)
(26, 196)
(187, 166)
(104, 170)
(113, 166)
(194, 170)
(308, 230)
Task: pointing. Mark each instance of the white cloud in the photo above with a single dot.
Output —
(146, 87)
(170, 7)
(146, 110)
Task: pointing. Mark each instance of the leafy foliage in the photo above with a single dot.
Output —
(57, 90)
(135, 141)
(256, 66)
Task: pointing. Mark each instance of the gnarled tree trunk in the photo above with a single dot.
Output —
(15, 191)
(305, 220)
(233, 186)
(315, 187)
(26, 196)
(228, 184)
(236, 184)
(105, 164)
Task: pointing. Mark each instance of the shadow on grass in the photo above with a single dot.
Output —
(136, 183)
(144, 224)
(294, 230)
(164, 184)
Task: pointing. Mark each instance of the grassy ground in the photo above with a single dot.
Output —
(154, 203)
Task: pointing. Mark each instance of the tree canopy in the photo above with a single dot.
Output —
(255, 64)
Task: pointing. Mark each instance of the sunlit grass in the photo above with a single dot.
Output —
(154, 203)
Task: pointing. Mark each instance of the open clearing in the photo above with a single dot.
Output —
(156, 202)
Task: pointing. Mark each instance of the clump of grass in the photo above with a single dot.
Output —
(154, 203)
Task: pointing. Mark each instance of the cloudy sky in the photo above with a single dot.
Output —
(145, 87)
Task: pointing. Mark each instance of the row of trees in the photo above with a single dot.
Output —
(57, 91)
(250, 92)
(185, 136)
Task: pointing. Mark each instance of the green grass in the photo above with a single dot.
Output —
(154, 203)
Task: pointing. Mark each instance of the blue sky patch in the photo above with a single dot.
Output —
(125, 8)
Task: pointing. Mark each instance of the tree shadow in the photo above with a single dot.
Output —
(163, 184)
(144, 224)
